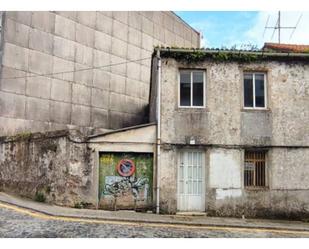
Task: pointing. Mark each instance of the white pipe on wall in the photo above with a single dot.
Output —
(158, 128)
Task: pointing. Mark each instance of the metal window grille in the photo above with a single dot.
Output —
(255, 169)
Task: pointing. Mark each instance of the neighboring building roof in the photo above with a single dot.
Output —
(289, 48)
(225, 55)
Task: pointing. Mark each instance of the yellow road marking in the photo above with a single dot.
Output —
(136, 224)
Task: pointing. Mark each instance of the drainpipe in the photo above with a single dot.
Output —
(158, 128)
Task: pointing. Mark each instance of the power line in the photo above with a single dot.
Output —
(79, 70)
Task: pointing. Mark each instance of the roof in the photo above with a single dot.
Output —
(122, 130)
(292, 48)
(226, 55)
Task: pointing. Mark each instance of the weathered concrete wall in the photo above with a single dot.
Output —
(49, 164)
(224, 129)
(53, 42)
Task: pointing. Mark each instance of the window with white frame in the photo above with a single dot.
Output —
(192, 88)
(255, 90)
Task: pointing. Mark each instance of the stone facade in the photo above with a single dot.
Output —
(55, 167)
(223, 130)
(50, 43)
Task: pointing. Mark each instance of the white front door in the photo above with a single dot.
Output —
(191, 184)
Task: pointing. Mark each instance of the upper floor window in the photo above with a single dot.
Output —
(255, 90)
(192, 88)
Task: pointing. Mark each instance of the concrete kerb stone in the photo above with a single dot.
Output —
(131, 216)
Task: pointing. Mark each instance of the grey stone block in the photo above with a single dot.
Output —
(100, 98)
(179, 41)
(68, 14)
(84, 55)
(168, 22)
(65, 27)
(61, 90)
(131, 105)
(85, 76)
(135, 37)
(145, 74)
(118, 83)
(41, 41)
(60, 112)
(195, 39)
(187, 34)
(133, 70)
(101, 79)
(43, 20)
(121, 16)
(120, 30)
(119, 48)
(146, 55)
(37, 109)
(102, 41)
(133, 88)
(15, 57)
(147, 26)
(99, 118)
(147, 14)
(80, 115)
(158, 33)
(38, 87)
(23, 17)
(87, 18)
(116, 119)
(134, 53)
(118, 65)
(117, 102)
(60, 66)
(13, 85)
(135, 20)
(40, 63)
(147, 42)
(107, 13)
(102, 59)
(158, 18)
(144, 91)
(85, 35)
(81, 94)
(16, 33)
(104, 23)
(169, 37)
(64, 48)
(12, 105)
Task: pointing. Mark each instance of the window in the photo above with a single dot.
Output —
(254, 90)
(191, 89)
(255, 169)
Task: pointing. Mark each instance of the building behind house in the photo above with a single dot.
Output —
(36, 47)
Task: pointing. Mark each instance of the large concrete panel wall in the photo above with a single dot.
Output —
(50, 43)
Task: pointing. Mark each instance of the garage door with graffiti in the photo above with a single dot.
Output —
(125, 181)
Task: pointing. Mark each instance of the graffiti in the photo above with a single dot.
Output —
(118, 186)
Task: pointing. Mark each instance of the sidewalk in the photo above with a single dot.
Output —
(132, 216)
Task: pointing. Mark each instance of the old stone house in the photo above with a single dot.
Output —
(227, 135)
(233, 133)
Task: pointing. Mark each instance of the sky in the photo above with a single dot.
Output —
(245, 29)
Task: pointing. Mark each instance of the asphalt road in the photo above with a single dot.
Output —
(20, 223)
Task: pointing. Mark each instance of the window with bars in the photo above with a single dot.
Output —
(255, 169)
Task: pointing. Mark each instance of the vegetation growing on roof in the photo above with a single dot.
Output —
(224, 55)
